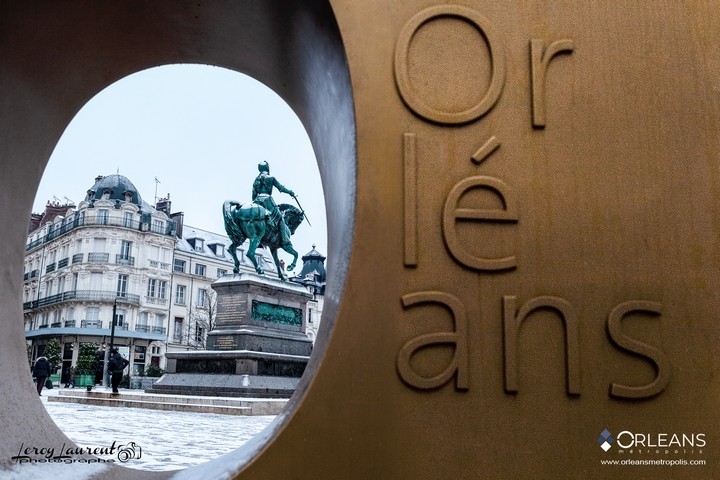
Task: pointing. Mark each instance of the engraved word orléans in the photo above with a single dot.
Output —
(513, 314)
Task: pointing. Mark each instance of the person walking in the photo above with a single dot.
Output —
(71, 378)
(116, 365)
(41, 371)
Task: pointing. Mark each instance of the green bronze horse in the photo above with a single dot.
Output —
(252, 222)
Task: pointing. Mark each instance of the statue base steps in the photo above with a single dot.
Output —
(258, 347)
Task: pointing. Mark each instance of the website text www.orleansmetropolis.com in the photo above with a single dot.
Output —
(661, 462)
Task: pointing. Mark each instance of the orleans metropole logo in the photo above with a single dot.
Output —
(606, 440)
(627, 441)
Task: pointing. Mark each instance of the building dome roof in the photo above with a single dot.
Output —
(313, 267)
(313, 255)
(114, 187)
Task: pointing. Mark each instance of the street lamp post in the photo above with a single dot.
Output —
(112, 328)
(109, 349)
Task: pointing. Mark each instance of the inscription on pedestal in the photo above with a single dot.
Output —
(225, 342)
(231, 309)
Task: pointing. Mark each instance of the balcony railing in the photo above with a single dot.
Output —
(161, 265)
(34, 243)
(91, 324)
(124, 260)
(50, 268)
(84, 296)
(156, 301)
(161, 229)
(96, 257)
(111, 221)
(63, 263)
(30, 275)
(78, 258)
(100, 325)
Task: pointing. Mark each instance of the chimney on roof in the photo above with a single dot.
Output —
(164, 205)
(52, 210)
(178, 218)
(35, 219)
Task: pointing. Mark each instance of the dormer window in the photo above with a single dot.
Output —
(198, 244)
(218, 249)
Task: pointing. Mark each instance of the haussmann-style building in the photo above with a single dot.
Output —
(116, 252)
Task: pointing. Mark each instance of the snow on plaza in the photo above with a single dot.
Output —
(169, 440)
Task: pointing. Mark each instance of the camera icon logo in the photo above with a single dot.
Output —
(131, 451)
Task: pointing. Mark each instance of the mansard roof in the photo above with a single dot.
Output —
(116, 187)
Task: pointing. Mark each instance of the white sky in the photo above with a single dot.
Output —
(201, 131)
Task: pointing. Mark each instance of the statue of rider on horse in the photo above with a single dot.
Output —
(263, 222)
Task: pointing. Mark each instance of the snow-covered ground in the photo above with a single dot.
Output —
(168, 440)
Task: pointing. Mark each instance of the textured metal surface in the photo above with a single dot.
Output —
(522, 203)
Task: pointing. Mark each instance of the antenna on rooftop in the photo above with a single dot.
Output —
(156, 184)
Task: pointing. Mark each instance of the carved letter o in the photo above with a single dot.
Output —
(402, 78)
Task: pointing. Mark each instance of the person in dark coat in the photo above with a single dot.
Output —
(116, 365)
(41, 371)
(71, 378)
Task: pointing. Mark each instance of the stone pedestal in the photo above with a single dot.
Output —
(260, 314)
(258, 347)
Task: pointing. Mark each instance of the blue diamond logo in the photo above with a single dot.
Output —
(605, 440)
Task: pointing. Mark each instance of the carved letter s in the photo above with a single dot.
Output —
(655, 355)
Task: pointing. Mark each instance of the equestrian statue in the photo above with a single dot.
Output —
(263, 222)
